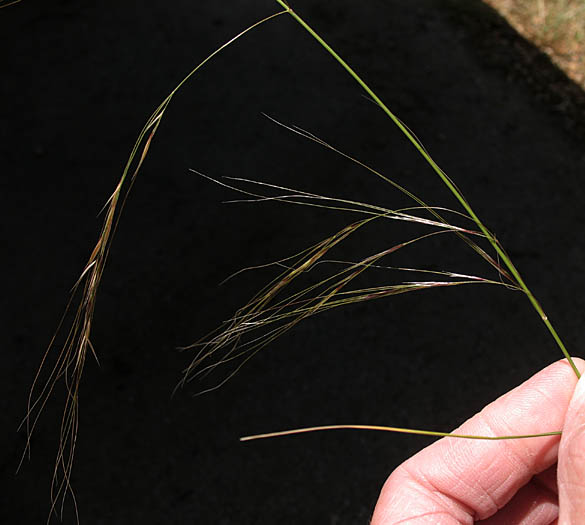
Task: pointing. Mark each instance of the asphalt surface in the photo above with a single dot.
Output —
(77, 83)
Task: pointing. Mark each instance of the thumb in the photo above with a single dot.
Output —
(571, 464)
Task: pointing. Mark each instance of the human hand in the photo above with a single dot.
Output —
(520, 481)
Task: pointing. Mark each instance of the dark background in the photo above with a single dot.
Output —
(77, 83)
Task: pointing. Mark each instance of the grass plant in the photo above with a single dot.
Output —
(293, 296)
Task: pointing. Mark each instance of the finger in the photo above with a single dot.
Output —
(535, 504)
(571, 470)
(460, 480)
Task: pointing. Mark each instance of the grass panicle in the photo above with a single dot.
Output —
(273, 311)
(70, 359)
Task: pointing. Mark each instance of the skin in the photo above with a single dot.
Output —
(523, 481)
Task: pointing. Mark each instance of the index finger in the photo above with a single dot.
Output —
(463, 479)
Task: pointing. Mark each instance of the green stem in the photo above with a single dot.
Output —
(502, 254)
(394, 429)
